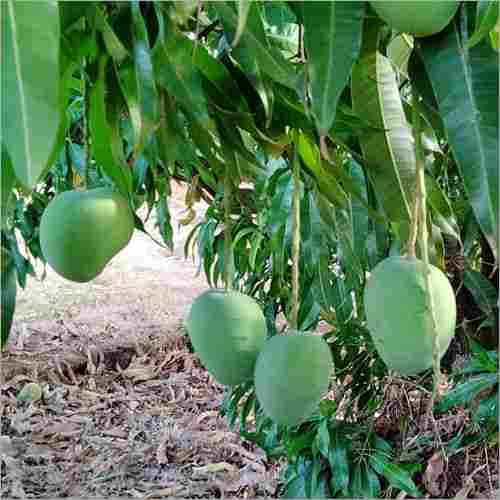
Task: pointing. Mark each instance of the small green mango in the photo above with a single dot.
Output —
(416, 17)
(81, 231)
(398, 316)
(227, 330)
(292, 374)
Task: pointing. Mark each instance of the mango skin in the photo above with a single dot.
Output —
(416, 17)
(81, 231)
(228, 330)
(291, 376)
(398, 317)
(9, 293)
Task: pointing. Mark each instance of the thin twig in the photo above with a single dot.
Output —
(228, 243)
(294, 317)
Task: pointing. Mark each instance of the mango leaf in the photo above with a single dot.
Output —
(102, 135)
(219, 76)
(244, 55)
(487, 410)
(486, 20)
(243, 9)
(30, 85)
(388, 147)
(358, 213)
(147, 96)
(465, 392)
(468, 104)
(421, 84)
(113, 44)
(395, 475)
(398, 51)
(339, 463)
(333, 40)
(8, 180)
(371, 483)
(443, 215)
(484, 293)
(325, 177)
(269, 60)
(8, 295)
(176, 72)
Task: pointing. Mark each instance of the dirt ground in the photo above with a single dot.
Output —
(126, 409)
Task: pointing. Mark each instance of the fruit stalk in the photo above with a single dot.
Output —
(86, 132)
(422, 219)
(294, 317)
(228, 243)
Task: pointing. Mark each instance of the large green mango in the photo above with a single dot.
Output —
(292, 373)
(9, 291)
(416, 17)
(227, 330)
(81, 231)
(398, 316)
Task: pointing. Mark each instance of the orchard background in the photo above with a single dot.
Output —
(209, 119)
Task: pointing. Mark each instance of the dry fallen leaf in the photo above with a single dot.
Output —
(434, 479)
(464, 492)
(213, 468)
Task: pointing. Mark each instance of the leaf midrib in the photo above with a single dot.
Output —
(22, 95)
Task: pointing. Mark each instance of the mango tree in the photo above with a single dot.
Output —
(326, 138)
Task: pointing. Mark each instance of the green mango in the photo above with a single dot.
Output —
(9, 291)
(292, 374)
(398, 316)
(227, 330)
(81, 231)
(416, 17)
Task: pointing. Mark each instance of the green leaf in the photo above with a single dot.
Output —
(30, 85)
(8, 295)
(357, 480)
(465, 392)
(371, 483)
(325, 177)
(339, 463)
(333, 40)
(269, 60)
(397, 476)
(243, 9)
(388, 146)
(113, 44)
(468, 104)
(147, 96)
(323, 438)
(487, 410)
(486, 20)
(443, 215)
(102, 135)
(484, 293)
(176, 72)
(359, 214)
(398, 51)
(8, 180)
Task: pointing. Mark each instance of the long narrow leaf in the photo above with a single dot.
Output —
(30, 85)
(333, 40)
(388, 147)
(468, 104)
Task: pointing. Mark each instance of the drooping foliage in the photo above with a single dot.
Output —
(132, 96)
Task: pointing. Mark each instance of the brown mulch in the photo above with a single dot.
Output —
(448, 470)
(140, 423)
